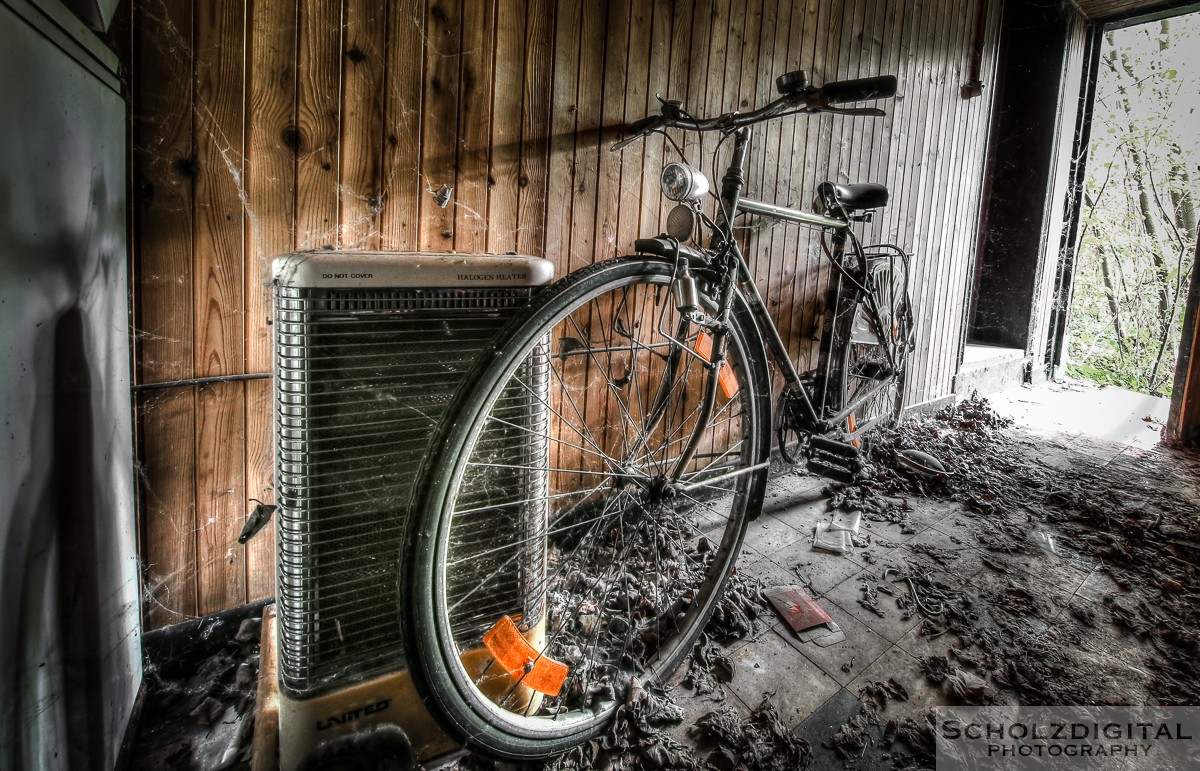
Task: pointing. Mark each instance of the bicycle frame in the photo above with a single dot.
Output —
(733, 204)
(740, 280)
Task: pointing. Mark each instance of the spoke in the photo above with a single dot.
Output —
(541, 435)
(667, 375)
(561, 470)
(586, 433)
(484, 583)
(709, 483)
(612, 388)
(593, 541)
(716, 459)
(554, 497)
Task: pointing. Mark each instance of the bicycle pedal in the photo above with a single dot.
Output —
(835, 460)
(838, 473)
(833, 447)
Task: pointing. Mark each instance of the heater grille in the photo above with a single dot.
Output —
(363, 377)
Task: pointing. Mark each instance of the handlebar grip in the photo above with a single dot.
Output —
(859, 90)
(637, 129)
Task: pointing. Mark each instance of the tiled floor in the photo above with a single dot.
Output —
(816, 689)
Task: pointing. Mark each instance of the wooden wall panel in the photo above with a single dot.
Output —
(345, 123)
(218, 305)
(401, 183)
(163, 144)
(271, 139)
(361, 140)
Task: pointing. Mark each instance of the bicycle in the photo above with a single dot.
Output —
(597, 473)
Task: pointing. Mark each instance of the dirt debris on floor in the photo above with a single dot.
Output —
(1133, 519)
(1033, 571)
(201, 679)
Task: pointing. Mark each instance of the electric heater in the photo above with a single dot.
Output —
(369, 349)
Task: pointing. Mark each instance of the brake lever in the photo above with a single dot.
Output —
(639, 129)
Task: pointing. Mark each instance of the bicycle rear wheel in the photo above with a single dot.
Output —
(869, 340)
(549, 505)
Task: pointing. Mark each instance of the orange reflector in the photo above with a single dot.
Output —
(521, 660)
(725, 378)
(852, 424)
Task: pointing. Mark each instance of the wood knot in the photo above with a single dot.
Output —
(290, 136)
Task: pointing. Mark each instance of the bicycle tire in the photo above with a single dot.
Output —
(629, 580)
(858, 347)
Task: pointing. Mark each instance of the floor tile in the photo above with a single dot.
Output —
(767, 571)
(893, 624)
(824, 724)
(928, 511)
(695, 707)
(792, 503)
(860, 648)
(952, 553)
(1098, 585)
(768, 534)
(1045, 601)
(819, 570)
(905, 669)
(891, 531)
(772, 666)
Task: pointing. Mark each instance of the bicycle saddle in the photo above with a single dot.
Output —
(854, 197)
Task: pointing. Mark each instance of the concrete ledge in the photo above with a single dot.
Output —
(928, 407)
(989, 369)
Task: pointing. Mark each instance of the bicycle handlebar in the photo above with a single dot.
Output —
(797, 99)
(860, 90)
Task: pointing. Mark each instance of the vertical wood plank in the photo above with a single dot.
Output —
(218, 304)
(535, 129)
(936, 55)
(632, 161)
(653, 207)
(950, 192)
(906, 165)
(594, 26)
(474, 125)
(364, 54)
(164, 158)
(504, 200)
(318, 101)
(271, 136)
(402, 125)
(817, 163)
(563, 110)
(700, 20)
(608, 188)
(777, 28)
(745, 46)
(439, 130)
(799, 243)
(881, 159)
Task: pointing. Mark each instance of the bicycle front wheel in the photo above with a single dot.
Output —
(870, 339)
(556, 558)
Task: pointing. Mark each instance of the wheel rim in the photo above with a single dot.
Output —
(866, 357)
(612, 571)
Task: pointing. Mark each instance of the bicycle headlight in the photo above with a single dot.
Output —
(681, 182)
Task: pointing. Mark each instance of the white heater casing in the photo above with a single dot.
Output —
(370, 347)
